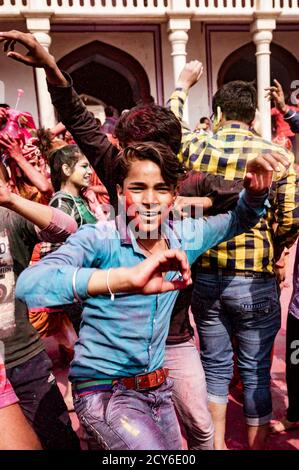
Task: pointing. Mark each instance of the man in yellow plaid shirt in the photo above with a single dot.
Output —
(235, 292)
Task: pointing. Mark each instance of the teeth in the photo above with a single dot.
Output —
(149, 214)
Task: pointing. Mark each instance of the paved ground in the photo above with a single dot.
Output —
(236, 435)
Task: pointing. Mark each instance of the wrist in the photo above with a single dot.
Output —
(11, 203)
(121, 280)
(283, 108)
(54, 74)
(183, 85)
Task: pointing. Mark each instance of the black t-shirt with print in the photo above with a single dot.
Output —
(25, 342)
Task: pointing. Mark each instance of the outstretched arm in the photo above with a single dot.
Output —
(146, 278)
(250, 208)
(53, 223)
(74, 271)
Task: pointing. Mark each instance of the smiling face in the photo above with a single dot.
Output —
(148, 198)
(81, 174)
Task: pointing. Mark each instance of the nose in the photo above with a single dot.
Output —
(150, 197)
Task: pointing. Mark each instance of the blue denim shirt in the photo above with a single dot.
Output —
(127, 336)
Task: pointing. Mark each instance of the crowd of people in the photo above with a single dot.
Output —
(198, 221)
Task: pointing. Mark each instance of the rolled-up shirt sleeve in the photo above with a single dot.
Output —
(60, 227)
(56, 280)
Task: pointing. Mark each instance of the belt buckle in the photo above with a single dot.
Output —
(137, 385)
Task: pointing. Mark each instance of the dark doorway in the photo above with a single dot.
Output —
(108, 74)
(241, 65)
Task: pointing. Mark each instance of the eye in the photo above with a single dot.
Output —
(163, 189)
(136, 189)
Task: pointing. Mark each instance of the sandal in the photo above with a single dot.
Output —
(283, 425)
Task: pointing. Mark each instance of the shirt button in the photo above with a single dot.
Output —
(145, 370)
(149, 348)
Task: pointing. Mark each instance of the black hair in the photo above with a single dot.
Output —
(172, 170)
(203, 119)
(69, 155)
(149, 123)
(4, 173)
(237, 100)
(109, 111)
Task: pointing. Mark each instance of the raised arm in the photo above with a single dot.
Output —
(190, 75)
(276, 94)
(72, 111)
(35, 177)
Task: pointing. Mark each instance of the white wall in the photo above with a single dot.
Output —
(198, 99)
(15, 75)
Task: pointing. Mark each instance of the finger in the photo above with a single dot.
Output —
(278, 85)
(3, 143)
(22, 38)
(20, 58)
(247, 180)
(8, 45)
(274, 160)
(180, 260)
(259, 163)
(174, 285)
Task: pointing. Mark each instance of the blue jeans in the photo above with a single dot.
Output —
(124, 419)
(189, 394)
(249, 309)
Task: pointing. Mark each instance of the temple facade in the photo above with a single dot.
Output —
(123, 52)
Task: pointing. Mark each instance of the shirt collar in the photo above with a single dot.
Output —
(127, 236)
(235, 125)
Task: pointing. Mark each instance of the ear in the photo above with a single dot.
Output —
(175, 195)
(66, 169)
(119, 190)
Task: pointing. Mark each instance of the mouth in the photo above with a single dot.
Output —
(149, 214)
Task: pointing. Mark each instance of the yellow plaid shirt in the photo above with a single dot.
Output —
(226, 154)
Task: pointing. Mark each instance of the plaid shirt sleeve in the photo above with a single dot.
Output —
(287, 213)
(193, 143)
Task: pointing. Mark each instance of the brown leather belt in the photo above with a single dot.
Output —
(140, 382)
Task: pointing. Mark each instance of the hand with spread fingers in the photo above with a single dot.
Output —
(148, 276)
(185, 206)
(190, 74)
(259, 171)
(12, 146)
(36, 55)
(276, 94)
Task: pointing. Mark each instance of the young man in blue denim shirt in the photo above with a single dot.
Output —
(121, 392)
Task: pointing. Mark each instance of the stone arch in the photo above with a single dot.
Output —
(107, 73)
(241, 65)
